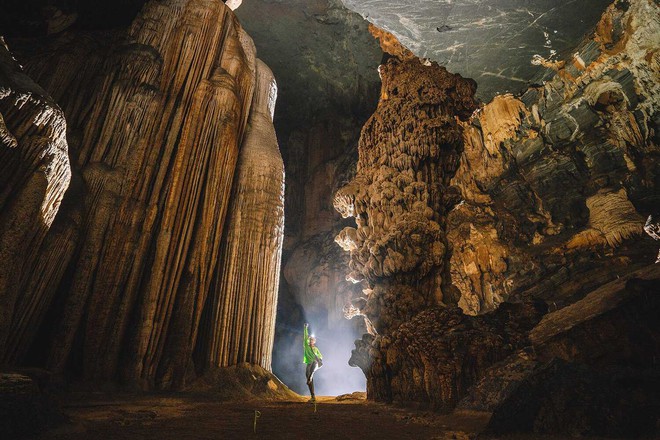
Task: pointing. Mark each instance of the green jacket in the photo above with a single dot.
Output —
(309, 353)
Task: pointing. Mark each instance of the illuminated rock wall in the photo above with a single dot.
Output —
(408, 153)
(156, 119)
(537, 200)
(243, 305)
(557, 183)
(34, 175)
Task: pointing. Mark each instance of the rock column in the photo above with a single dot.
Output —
(243, 307)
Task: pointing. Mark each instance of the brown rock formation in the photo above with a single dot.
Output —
(390, 44)
(440, 353)
(34, 175)
(590, 370)
(553, 188)
(242, 310)
(568, 169)
(408, 153)
(134, 252)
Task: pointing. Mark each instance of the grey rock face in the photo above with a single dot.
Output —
(492, 42)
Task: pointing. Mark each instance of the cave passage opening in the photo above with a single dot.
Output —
(325, 62)
(336, 376)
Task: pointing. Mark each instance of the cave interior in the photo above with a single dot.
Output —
(460, 197)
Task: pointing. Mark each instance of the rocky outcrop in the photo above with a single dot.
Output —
(590, 368)
(400, 197)
(243, 381)
(408, 153)
(440, 353)
(537, 198)
(562, 173)
(156, 119)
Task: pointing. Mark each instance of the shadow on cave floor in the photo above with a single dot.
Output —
(196, 417)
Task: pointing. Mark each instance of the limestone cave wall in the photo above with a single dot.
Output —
(558, 182)
(504, 210)
(160, 118)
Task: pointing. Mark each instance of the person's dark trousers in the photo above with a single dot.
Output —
(309, 373)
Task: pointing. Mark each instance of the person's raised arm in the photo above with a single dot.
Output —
(306, 336)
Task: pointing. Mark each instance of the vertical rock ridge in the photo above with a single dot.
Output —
(34, 175)
(244, 303)
(536, 199)
(408, 152)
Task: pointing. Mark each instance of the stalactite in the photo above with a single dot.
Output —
(245, 300)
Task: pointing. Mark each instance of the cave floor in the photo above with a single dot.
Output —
(195, 418)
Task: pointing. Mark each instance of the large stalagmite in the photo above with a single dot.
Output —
(155, 121)
(242, 308)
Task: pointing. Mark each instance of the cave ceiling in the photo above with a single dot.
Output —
(323, 48)
(321, 53)
(492, 41)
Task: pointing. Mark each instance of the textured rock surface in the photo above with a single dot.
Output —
(242, 308)
(400, 196)
(243, 381)
(567, 170)
(408, 153)
(34, 175)
(134, 251)
(590, 370)
(492, 42)
(435, 357)
(541, 197)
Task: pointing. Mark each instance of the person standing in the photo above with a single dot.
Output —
(313, 359)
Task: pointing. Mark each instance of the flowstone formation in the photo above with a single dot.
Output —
(116, 288)
(34, 175)
(408, 153)
(536, 200)
(243, 306)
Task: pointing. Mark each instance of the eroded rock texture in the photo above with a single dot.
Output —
(242, 321)
(408, 153)
(156, 119)
(557, 182)
(537, 199)
(34, 175)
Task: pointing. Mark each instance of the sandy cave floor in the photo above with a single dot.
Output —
(193, 418)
